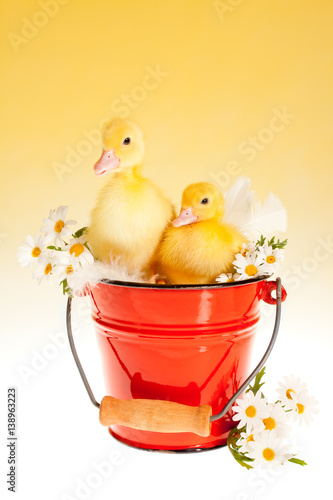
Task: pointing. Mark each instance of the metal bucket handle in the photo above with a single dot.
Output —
(167, 416)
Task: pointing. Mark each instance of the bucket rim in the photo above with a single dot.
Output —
(133, 284)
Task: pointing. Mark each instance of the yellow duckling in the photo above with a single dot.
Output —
(131, 212)
(198, 246)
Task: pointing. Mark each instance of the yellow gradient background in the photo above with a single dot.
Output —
(221, 89)
(205, 79)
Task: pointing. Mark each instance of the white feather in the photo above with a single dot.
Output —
(251, 217)
(268, 219)
(238, 203)
(91, 274)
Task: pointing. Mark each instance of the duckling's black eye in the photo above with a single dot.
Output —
(127, 141)
(204, 201)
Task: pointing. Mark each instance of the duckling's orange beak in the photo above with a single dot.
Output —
(107, 162)
(185, 217)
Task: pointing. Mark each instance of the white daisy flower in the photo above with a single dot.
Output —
(268, 450)
(277, 420)
(249, 266)
(250, 411)
(45, 269)
(225, 278)
(248, 248)
(31, 250)
(56, 227)
(245, 440)
(306, 407)
(271, 258)
(66, 268)
(289, 391)
(77, 248)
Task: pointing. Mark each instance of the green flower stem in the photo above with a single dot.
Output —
(241, 458)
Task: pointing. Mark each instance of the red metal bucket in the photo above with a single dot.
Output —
(187, 344)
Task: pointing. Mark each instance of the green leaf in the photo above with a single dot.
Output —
(280, 244)
(272, 243)
(52, 247)
(64, 285)
(257, 382)
(261, 241)
(276, 244)
(80, 232)
(66, 288)
(297, 461)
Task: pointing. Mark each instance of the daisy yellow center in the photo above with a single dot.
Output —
(250, 438)
(251, 270)
(48, 269)
(288, 393)
(69, 269)
(300, 408)
(77, 249)
(268, 454)
(59, 226)
(270, 423)
(251, 411)
(270, 259)
(230, 280)
(36, 252)
(244, 252)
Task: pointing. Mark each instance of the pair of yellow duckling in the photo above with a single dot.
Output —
(135, 222)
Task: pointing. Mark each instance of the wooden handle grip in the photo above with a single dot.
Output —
(155, 415)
